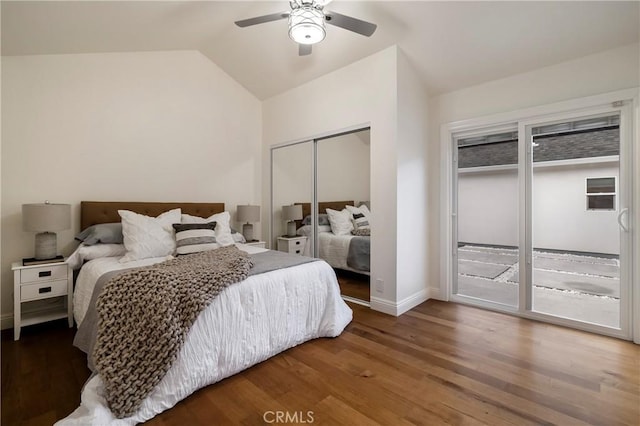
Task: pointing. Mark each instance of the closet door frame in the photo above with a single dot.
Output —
(314, 174)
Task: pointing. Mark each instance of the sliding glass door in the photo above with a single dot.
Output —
(577, 209)
(540, 213)
(487, 214)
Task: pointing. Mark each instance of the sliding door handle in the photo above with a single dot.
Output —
(622, 225)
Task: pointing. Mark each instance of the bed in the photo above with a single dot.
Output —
(342, 251)
(247, 323)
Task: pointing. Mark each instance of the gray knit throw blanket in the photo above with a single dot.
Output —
(145, 314)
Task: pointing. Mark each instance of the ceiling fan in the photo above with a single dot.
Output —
(307, 23)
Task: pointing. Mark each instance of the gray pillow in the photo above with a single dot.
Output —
(105, 233)
(323, 220)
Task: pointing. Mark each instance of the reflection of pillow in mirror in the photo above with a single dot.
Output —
(341, 221)
(307, 230)
(360, 221)
(363, 209)
(323, 220)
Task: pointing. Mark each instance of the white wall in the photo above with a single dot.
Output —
(413, 208)
(363, 93)
(373, 91)
(488, 209)
(599, 73)
(151, 126)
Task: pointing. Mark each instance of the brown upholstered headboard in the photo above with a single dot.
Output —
(94, 212)
(322, 208)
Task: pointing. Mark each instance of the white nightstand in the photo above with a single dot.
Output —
(39, 282)
(257, 244)
(293, 245)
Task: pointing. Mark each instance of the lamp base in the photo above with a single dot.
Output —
(247, 231)
(46, 245)
(291, 229)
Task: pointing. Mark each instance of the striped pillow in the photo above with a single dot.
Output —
(195, 237)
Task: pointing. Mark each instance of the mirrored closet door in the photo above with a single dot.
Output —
(321, 208)
(343, 172)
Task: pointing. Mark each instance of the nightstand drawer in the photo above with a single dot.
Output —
(44, 273)
(43, 290)
(293, 245)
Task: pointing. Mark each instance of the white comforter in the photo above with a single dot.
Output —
(247, 323)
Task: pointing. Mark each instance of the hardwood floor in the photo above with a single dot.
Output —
(354, 285)
(440, 363)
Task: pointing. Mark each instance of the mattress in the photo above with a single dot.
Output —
(247, 323)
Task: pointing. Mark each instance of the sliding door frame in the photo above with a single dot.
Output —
(625, 101)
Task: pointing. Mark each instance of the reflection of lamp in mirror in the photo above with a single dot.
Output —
(291, 214)
(248, 214)
(45, 219)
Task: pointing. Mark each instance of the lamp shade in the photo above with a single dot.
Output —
(46, 217)
(293, 212)
(248, 213)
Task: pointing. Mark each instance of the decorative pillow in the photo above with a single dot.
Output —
(195, 237)
(146, 236)
(223, 229)
(307, 230)
(106, 233)
(341, 221)
(360, 221)
(362, 232)
(84, 253)
(323, 220)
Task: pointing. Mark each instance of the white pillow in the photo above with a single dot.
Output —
(341, 223)
(360, 217)
(363, 209)
(85, 253)
(146, 236)
(223, 229)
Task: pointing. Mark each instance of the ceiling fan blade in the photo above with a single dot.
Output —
(352, 24)
(262, 19)
(304, 49)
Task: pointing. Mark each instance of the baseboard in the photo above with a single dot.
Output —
(6, 321)
(398, 308)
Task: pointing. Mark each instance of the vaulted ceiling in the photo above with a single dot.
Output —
(452, 44)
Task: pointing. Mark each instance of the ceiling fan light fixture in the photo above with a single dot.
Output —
(306, 25)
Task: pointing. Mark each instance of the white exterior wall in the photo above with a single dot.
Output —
(488, 209)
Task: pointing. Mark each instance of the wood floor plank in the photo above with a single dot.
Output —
(441, 363)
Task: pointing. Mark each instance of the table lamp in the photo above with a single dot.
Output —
(45, 219)
(291, 214)
(248, 214)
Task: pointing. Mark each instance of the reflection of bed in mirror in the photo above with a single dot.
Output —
(342, 251)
